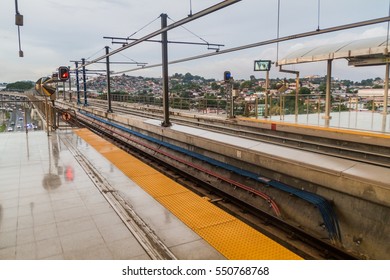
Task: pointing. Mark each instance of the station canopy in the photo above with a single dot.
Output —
(364, 52)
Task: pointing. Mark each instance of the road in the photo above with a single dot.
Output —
(20, 116)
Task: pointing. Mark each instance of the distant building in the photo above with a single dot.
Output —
(375, 95)
(371, 92)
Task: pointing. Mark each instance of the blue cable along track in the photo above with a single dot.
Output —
(323, 205)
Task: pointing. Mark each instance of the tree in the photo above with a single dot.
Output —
(20, 85)
(367, 82)
(119, 92)
(246, 84)
(215, 86)
(322, 88)
(188, 78)
(304, 90)
(258, 89)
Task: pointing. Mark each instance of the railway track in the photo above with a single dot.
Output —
(294, 238)
(370, 154)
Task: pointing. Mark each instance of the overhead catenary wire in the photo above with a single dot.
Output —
(271, 41)
(193, 33)
(200, 14)
(125, 56)
(143, 27)
(102, 49)
(210, 46)
(132, 60)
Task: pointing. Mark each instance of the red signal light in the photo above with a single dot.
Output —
(69, 174)
(63, 73)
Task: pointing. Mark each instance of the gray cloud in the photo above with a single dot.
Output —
(56, 32)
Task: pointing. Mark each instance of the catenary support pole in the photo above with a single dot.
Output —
(77, 83)
(108, 81)
(85, 82)
(164, 39)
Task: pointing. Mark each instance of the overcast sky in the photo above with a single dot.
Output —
(56, 32)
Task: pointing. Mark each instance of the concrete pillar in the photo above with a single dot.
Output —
(327, 116)
(386, 93)
(266, 95)
(296, 97)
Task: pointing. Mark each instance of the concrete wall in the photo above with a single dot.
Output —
(361, 201)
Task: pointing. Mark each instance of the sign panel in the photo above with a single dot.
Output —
(262, 65)
(45, 86)
(66, 116)
(368, 61)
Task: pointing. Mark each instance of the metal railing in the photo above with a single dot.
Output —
(356, 112)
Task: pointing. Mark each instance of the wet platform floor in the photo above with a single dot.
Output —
(50, 208)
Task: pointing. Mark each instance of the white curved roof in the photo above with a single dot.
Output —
(372, 47)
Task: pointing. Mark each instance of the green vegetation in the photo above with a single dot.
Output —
(119, 92)
(304, 90)
(20, 86)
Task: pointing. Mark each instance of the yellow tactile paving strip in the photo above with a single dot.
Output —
(231, 237)
(329, 129)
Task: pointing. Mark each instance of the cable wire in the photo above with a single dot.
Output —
(190, 31)
(143, 27)
(125, 56)
(94, 54)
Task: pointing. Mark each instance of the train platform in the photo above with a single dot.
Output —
(73, 195)
(356, 135)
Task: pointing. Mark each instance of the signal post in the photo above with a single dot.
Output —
(228, 79)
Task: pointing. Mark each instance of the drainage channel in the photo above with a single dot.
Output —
(146, 237)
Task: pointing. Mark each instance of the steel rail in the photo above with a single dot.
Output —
(287, 141)
(325, 249)
(128, 138)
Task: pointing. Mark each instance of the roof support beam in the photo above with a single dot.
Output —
(386, 93)
(327, 116)
(296, 88)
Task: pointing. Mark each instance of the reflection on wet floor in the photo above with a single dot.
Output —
(51, 208)
(52, 179)
(47, 212)
(1, 214)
